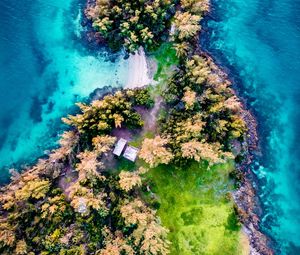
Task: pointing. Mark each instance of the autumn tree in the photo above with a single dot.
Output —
(195, 6)
(189, 98)
(68, 141)
(7, 234)
(54, 208)
(181, 49)
(149, 235)
(180, 131)
(83, 199)
(101, 116)
(197, 70)
(115, 244)
(204, 151)
(155, 152)
(233, 104)
(21, 248)
(128, 180)
(33, 189)
(103, 144)
(186, 25)
(88, 166)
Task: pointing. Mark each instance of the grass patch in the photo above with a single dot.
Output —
(138, 140)
(125, 165)
(193, 206)
(165, 57)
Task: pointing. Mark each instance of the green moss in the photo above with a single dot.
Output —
(124, 164)
(194, 207)
(165, 57)
(138, 140)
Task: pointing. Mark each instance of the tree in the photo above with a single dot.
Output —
(118, 118)
(116, 246)
(195, 6)
(88, 166)
(7, 234)
(83, 199)
(238, 126)
(197, 69)
(67, 142)
(233, 104)
(181, 49)
(200, 151)
(21, 248)
(154, 151)
(149, 235)
(130, 23)
(186, 25)
(101, 116)
(189, 98)
(180, 130)
(103, 144)
(155, 239)
(128, 180)
(33, 189)
(54, 208)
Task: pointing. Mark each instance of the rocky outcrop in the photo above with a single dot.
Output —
(245, 196)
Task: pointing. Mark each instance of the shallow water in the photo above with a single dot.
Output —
(259, 41)
(44, 70)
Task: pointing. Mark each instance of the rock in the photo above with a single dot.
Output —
(245, 197)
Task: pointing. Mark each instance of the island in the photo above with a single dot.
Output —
(153, 168)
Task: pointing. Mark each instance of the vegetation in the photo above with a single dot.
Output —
(71, 204)
(195, 208)
(154, 152)
(83, 200)
(131, 23)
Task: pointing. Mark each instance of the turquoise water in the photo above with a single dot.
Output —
(259, 43)
(44, 70)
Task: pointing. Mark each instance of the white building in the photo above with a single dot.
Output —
(120, 147)
(131, 153)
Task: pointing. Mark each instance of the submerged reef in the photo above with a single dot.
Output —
(86, 198)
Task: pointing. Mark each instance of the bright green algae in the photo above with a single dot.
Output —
(194, 206)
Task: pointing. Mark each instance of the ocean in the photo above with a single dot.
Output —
(258, 44)
(45, 67)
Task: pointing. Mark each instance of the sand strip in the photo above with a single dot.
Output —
(138, 73)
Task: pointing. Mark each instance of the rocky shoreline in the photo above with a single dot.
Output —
(245, 197)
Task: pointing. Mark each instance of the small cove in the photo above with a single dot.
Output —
(45, 69)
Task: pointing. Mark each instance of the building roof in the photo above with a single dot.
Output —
(119, 147)
(131, 153)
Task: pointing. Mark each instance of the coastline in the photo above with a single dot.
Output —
(138, 71)
(245, 196)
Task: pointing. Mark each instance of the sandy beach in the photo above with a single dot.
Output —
(138, 73)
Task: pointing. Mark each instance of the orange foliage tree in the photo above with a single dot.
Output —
(154, 151)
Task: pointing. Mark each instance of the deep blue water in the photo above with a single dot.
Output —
(259, 42)
(44, 70)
